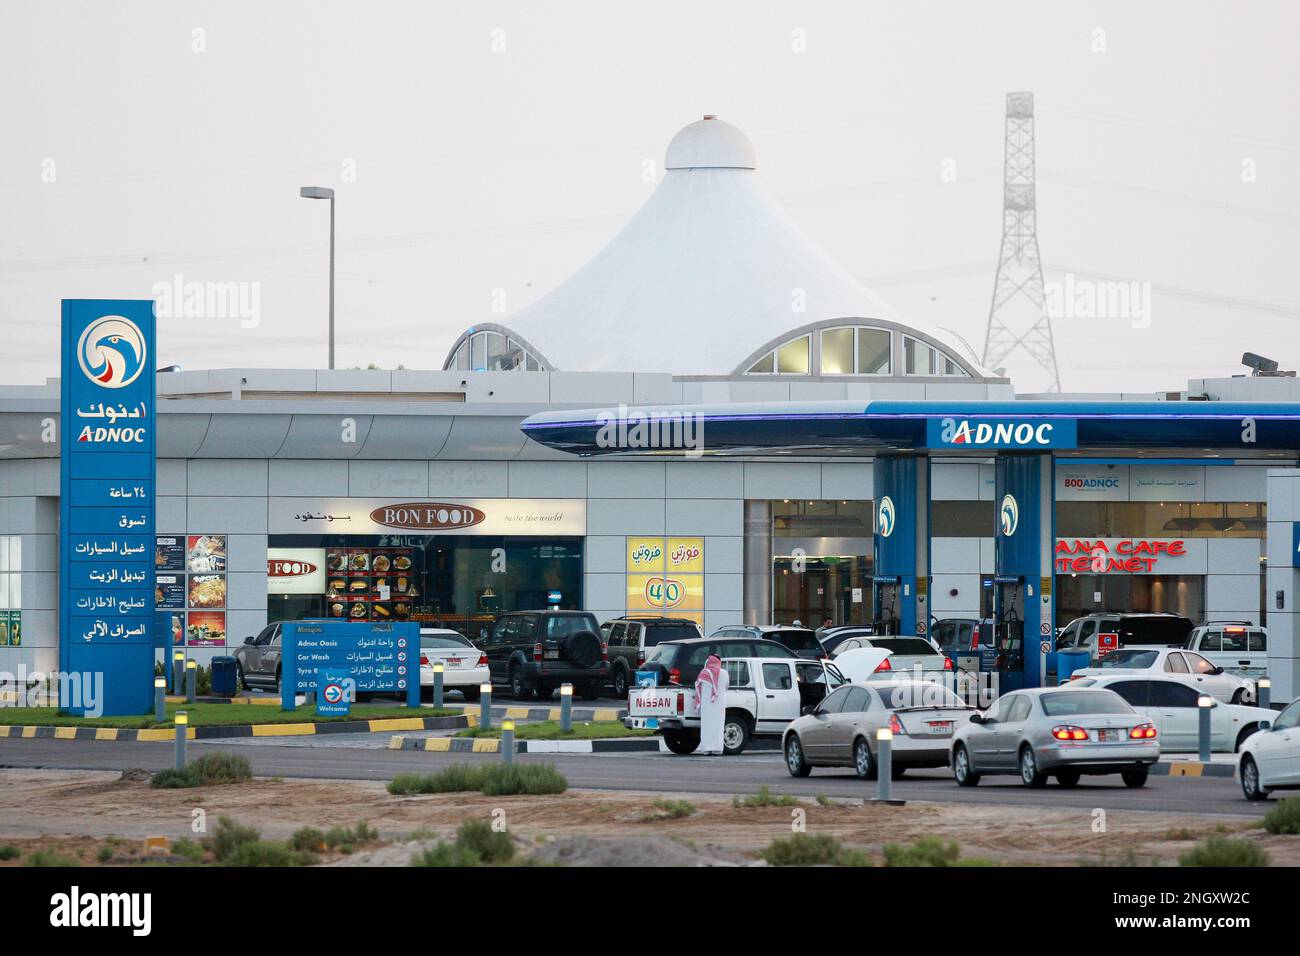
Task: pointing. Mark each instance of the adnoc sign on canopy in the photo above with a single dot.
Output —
(106, 529)
(1022, 433)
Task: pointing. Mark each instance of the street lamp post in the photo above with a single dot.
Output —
(324, 192)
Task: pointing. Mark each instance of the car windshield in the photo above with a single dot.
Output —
(1133, 659)
(1076, 703)
(903, 645)
(562, 625)
(656, 633)
(919, 694)
(663, 654)
(434, 641)
(796, 640)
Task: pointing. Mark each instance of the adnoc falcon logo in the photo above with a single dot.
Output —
(1009, 515)
(885, 520)
(111, 351)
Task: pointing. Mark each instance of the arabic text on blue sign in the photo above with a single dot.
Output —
(379, 657)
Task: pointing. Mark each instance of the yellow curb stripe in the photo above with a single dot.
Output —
(553, 714)
(486, 745)
(395, 743)
(105, 733)
(168, 733)
(473, 719)
(396, 723)
(605, 714)
(1185, 768)
(65, 733)
(516, 713)
(29, 731)
(283, 730)
(438, 744)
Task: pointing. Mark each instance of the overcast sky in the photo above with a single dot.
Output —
(484, 146)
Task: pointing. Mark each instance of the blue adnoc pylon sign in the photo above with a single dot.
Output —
(108, 449)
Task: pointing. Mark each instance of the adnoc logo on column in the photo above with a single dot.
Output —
(111, 351)
(1009, 515)
(885, 519)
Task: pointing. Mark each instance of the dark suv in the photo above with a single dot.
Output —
(632, 639)
(534, 652)
(680, 662)
(1141, 628)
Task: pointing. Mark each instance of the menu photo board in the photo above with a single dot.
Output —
(370, 584)
(190, 583)
(206, 629)
(169, 553)
(169, 591)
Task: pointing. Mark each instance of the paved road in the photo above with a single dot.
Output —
(657, 772)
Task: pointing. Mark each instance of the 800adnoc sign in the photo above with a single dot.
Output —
(1025, 434)
(106, 530)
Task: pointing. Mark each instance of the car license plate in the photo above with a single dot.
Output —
(453, 662)
(1108, 735)
(941, 726)
(645, 723)
(551, 655)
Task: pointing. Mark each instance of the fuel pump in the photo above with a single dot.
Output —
(888, 593)
(1009, 630)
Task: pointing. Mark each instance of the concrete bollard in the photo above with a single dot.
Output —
(437, 685)
(159, 699)
(182, 733)
(566, 707)
(1263, 692)
(1205, 704)
(191, 680)
(884, 764)
(485, 706)
(507, 742)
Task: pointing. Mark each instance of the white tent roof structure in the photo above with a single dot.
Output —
(707, 272)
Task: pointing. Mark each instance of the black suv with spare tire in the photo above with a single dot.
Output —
(534, 652)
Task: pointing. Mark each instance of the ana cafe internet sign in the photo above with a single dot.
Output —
(1123, 556)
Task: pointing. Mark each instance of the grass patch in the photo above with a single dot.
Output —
(493, 780)
(212, 715)
(929, 851)
(10, 852)
(1284, 818)
(804, 850)
(189, 850)
(669, 810)
(267, 853)
(209, 769)
(1225, 851)
(765, 798)
(476, 844)
(550, 730)
(50, 858)
(104, 854)
(228, 836)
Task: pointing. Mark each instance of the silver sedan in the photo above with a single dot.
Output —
(1062, 732)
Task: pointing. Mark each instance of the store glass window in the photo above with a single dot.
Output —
(873, 352)
(837, 352)
(1161, 519)
(792, 358)
(457, 581)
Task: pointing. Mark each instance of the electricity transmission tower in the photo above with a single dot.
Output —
(1018, 318)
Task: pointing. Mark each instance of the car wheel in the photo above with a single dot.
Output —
(620, 683)
(1030, 775)
(588, 692)
(1137, 777)
(1239, 696)
(1068, 778)
(518, 689)
(962, 770)
(542, 692)
(735, 734)
(682, 743)
(471, 693)
(1250, 780)
(864, 765)
(896, 772)
(794, 759)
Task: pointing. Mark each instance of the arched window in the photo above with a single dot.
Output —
(493, 351)
(919, 358)
(841, 350)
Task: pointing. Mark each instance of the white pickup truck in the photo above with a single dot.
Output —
(1239, 647)
(763, 696)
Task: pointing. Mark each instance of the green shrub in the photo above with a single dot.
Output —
(265, 853)
(213, 768)
(189, 850)
(50, 858)
(229, 836)
(173, 779)
(494, 780)
(1225, 851)
(764, 798)
(1284, 818)
(343, 838)
(804, 850)
(446, 854)
(927, 851)
(489, 845)
(307, 840)
(10, 852)
(670, 810)
(105, 854)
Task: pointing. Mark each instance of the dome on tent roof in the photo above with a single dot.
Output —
(710, 144)
(709, 278)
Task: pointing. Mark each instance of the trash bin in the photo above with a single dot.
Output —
(1067, 662)
(225, 681)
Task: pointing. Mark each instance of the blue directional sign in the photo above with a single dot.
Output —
(335, 693)
(381, 657)
(106, 501)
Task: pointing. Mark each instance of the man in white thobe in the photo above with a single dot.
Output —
(711, 694)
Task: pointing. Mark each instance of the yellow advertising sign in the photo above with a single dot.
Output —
(665, 593)
(685, 555)
(645, 554)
